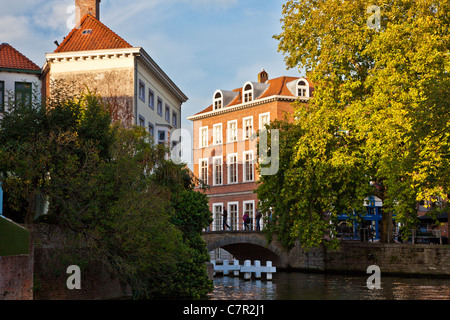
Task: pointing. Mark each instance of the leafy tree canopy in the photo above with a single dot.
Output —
(112, 192)
(378, 123)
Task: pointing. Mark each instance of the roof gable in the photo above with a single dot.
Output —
(98, 38)
(10, 58)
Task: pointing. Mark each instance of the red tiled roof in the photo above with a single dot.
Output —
(277, 87)
(10, 58)
(100, 37)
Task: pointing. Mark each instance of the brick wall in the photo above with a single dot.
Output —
(50, 266)
(16, 277)
(88, 6)
(241, 191)
(97, 283)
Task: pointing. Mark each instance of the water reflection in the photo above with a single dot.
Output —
(303, 286)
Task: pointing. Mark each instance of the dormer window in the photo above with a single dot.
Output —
(248, 93)
(218, 101)
(303, 89)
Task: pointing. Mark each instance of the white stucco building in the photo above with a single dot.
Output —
(139, 92)
(19, 77)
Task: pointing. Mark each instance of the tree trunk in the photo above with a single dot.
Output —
(387, 230)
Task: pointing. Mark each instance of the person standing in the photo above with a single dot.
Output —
(225, 217)
(246, 219)
(258, 218)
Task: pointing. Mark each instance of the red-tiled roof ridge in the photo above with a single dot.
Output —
(101, 37)
(11, 58)
(277, 88)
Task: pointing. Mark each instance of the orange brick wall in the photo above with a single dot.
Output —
(88, 6)
(241, 191)
(16, 277)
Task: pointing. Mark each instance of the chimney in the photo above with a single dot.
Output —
(83, 7)
(263, 76)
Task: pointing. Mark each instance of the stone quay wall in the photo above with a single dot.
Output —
(355, 257)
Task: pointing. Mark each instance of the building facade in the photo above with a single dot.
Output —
(225, 143)
(93, 57)
(19, 77)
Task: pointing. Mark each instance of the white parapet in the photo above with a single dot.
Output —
(225, 267)
(237, 268)
(257, 269)
(248, 269)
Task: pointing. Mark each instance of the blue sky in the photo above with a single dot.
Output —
(202, 45)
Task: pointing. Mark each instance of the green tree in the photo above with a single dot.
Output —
(191, 217)
(105, 190)
(377, 91)
(309, 190)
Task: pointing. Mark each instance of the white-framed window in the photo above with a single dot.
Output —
(217, 171)
(264, 118)
(151, 129)
(141, 90)
(151, 99)
(232, 163)
(203, 170)
(174, 119)
(159, 106)
(249, 166)
(141, 121)
(217, 130)
(232, 131)
(303, 88)
(233, 215)
(23, 92)
(248, 93)
(203, 137)
(161, 137)
(217, 216)
(249, 208)
(167, 114)
(218, 101)
(247, 124)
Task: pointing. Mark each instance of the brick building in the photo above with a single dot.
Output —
(225, 144)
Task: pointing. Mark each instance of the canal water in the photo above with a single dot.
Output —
(306, 286)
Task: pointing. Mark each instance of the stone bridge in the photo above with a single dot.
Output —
(248, 245)
(352, 256)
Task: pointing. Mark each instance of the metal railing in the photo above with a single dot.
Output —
(426, 236)
(241, 226)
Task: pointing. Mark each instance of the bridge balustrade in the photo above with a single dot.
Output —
(218, 226)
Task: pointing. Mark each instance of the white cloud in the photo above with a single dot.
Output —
(14, 27)
(54, 15)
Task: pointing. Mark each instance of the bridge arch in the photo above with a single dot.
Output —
(247, 245)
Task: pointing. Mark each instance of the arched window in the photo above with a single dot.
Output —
(248, 93)
(303, 89)
(218, 101)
